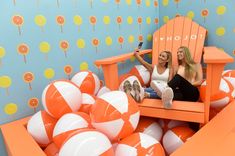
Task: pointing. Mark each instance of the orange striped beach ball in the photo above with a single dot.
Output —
(116, 114)
(61, 97)
(87, 101)
(142, 74)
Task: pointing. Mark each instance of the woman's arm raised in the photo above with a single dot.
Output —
(143, 62)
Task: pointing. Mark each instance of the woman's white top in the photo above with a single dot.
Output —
(160, 77)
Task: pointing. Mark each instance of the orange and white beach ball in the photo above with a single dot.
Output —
(141, 73)
(103, 90)
(230, 76)
(69, 123)
(176, 137)
(224, 95)
(151, 127)
(87, 101)
(139, 144)
(87, 81)
(87, 142)
(169, 124)
(61, 97)
(41, 126)
(115, 114)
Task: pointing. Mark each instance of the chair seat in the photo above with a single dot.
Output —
(180, 110)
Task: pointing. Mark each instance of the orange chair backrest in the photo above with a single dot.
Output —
(180, 31)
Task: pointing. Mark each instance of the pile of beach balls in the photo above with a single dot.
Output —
(83, 118)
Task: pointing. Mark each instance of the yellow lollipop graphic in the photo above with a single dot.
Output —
(81, 44)
(45, 48)
(165, 2)
(190, 14)
(23, 49)
(220, 31)
(49, 73)
(84, 66)
(10, 109)
(148, 20)
(131, 39)
(105, 1)
(2, 54)
(165, 19)
(147, 3)
(128, 2)
(221, 10)
(106, 20)
(77, 21)
(40, 20)
(5, 82)
(33, 103)
(129, 20)
(149, 37)
(68, 69)
(108, 41)
(28, 77)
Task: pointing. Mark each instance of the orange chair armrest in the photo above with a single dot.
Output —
(119, 58)
(215, 55)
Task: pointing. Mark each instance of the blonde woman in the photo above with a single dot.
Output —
(188, 75)
(160, 73)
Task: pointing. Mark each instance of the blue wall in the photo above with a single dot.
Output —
(36, 31)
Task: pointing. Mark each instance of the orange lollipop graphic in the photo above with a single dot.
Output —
(28, 77)
(177, 3)
(68, 69)
(119, 21)
(18, 20)
(118, 3)
(23, 49)
(140, 38)
(33, 103)
(64, 45)
(156, 21)
(155, 3)
(139, 20)
(58, 3)
(121, 41)
(138, 2)
(91, 3)
(204, 14)
(93, 21)
(95, 43)
(60, 20)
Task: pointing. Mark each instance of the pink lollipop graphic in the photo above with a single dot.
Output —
(139, 20)
(93, 21)
(119, 21)
(28, 77)
(18, 20)
(68, 69)
(155, 3)
(33, 103)
(95, 43)
(23, 49)
(138, 2)
(140, 38)
(121, 41)
(64, 45)
(204, 14)
(60, 21)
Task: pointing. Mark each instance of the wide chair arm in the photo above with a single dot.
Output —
(216, 60)
(110, 67)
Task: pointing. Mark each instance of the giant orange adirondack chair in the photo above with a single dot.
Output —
(180, 31)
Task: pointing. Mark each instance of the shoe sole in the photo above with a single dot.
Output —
(167, 97)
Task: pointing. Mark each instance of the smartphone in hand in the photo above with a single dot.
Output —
(139, 46)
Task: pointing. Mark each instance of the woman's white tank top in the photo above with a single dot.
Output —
(160, 77)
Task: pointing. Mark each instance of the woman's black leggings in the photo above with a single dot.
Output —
(183, 90)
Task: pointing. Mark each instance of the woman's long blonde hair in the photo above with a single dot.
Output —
(169, 57)
(189, 63)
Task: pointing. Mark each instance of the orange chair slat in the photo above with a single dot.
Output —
(169, 35)
(187, 31)
(162, 38)
(193, 39)
(200, 43)
(155, 47)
